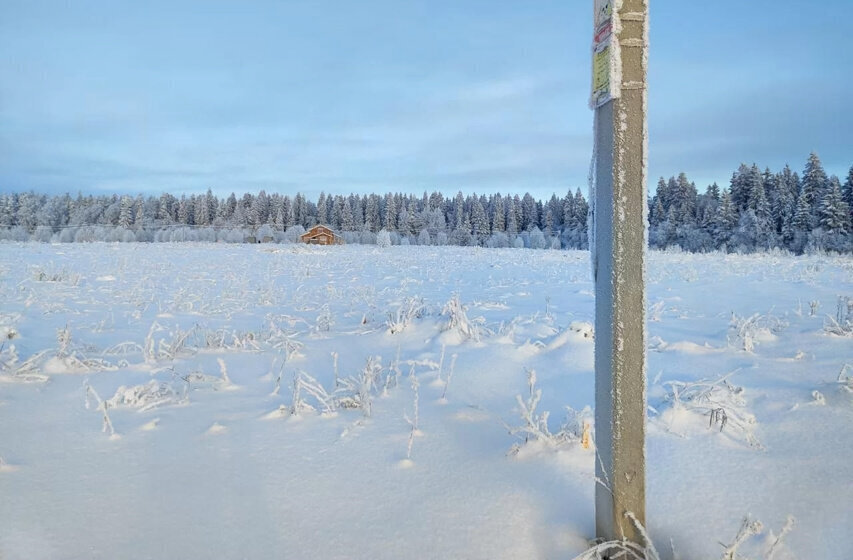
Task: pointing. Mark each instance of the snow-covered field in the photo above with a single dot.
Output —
(354, 402)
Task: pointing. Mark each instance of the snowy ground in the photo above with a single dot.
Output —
(210, 464)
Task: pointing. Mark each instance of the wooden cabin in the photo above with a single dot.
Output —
(321, 235)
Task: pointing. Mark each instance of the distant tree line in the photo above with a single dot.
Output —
(494, 221)
(758, 211)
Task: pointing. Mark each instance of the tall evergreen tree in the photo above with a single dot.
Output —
(581, 210)
(529, 212)
(568, 210)
(389, 219)
(739, 188)
(814, 182)
(834, 214)
(726, 220)
(847, 191)
(499, 215)
(322, 210)
(713, 191)
(125, 218)
(347, 223)
(803, 215)
(479, 221)
(139, 218)
(511, 222)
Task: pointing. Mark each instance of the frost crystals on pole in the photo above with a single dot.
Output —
(619, 228)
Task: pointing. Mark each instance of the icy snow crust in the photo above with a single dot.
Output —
(195, 350)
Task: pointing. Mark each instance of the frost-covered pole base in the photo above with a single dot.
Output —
(619, 223)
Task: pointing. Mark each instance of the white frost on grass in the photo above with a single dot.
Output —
(692, 408)
(153, 394)
(534, 427)
(249, 308)
(747, 332)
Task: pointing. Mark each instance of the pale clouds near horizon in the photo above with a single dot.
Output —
(475, 96)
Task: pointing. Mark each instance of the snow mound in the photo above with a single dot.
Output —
(145, 397)
(215, 429)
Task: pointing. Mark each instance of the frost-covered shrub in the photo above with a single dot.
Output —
(534, 425)
(367, 237)
(383, 239)
(555, 244)
(69, 357)
(304, 384)
(458, 319)
(399, 319)
(66, 235)
(357, 392)
(264, 231)
(441, 238)
(746, 332)
(423, 238)
(237, 235)
(125, 235)
(842, 323)
(293, 234)
(207, 235)
(42, 234)
(144, 397)
(28, 371)
(353, 392)
(536, 239)
(518, 243)
(722, 403)
(169, 347)
(146, 236)
(16, 233)
(498, 240)
(84, 235)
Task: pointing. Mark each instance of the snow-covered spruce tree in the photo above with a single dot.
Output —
(847, 192)
(833, 212)
(511, 223)
(347, 221)
(499, 214)
(802, 223)
(322, 209)
(725, 221)
(125, 218)
(739, 188)
(479, 222)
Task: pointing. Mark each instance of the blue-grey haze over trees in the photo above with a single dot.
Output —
(759, 210)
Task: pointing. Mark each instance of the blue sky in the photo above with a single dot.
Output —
(402, 95)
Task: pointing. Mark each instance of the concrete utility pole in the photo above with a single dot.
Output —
(619, 98)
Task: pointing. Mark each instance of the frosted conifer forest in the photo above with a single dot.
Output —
(248, 401)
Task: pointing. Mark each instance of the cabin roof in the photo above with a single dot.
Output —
(318, 230)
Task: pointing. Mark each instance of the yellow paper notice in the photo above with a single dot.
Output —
(601, 72)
